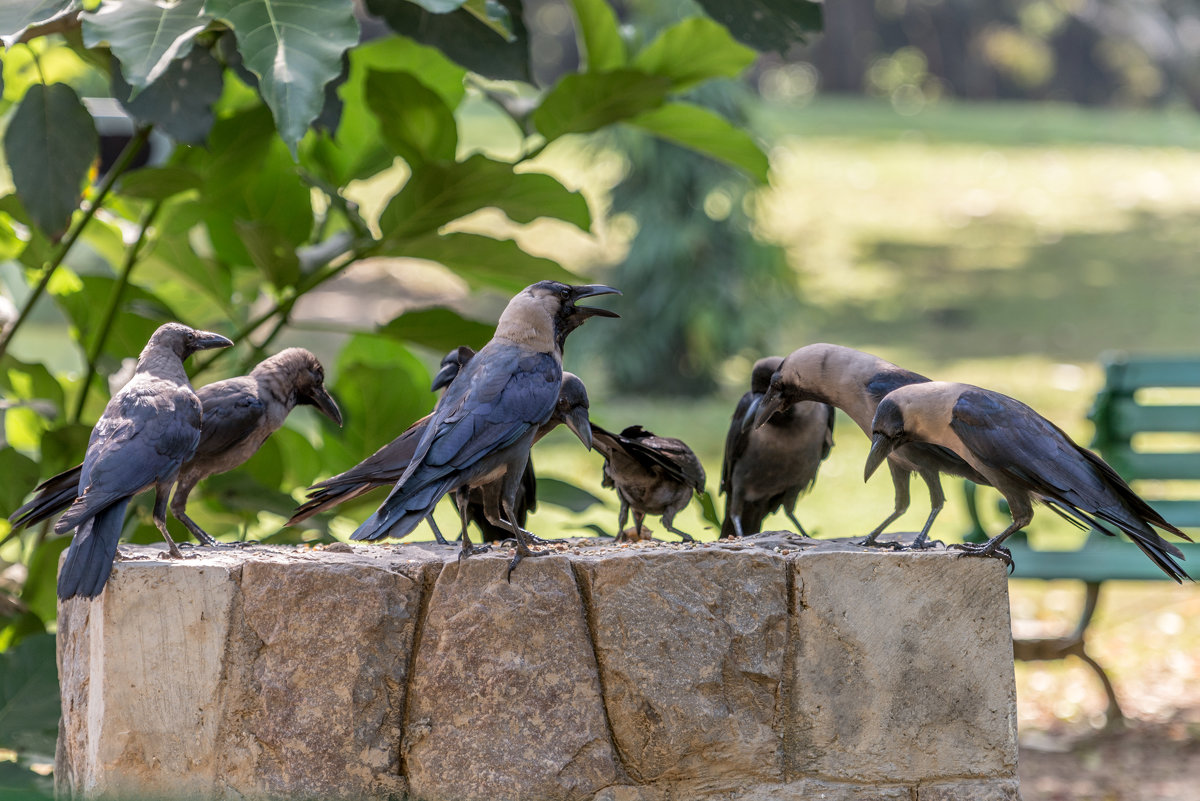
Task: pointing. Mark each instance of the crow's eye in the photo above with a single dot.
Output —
(564, 293)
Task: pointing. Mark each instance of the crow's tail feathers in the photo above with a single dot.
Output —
(89, 560)
(403, 511)
(53, 495)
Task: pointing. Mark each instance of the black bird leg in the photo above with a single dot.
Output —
(937, 499)
(462, 499)
(160, 518)
(638, 518)
(799, 528)
(668, 523)
(179, 510)
(622, 519)
(737, 524)
(437, 532)
(900, 478)
(1022, 513)
(522, 545)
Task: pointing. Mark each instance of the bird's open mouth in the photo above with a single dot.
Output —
(591, 290)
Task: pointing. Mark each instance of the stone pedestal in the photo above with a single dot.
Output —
(772, 668)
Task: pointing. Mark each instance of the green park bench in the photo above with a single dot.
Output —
(1119, 413)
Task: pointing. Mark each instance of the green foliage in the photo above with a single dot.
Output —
(278, 117)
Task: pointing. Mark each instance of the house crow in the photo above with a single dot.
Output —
(238, 414)
(652, 475)
(147, 432)
(856, 382)
(484, 424)
(1025, 457)
(385, 466)
(769, 467)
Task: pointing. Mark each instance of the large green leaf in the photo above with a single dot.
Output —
(599, 36)
(382, 388)
(39, 593)
(180, 102)
(463, 37)
(702, 130)
(416, 124)
(438, 192)
(694, 51)
(295, 47)
(145, 35)
(440, 330)
(439, 6)
(18, 16)
(50, 143)
(483, 261)
(767, 24)
(64, 447)
(561, 493)
(359, 149)
(20, 475)
(139, 313)
(583, 102)
(29, 706)
(159, 183)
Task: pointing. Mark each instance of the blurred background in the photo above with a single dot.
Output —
(989, 191)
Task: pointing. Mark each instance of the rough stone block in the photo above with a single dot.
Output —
(992, 790)
(691, 653)
(902, 667)
(505, 699)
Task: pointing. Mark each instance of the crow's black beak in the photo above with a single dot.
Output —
(579, 423)
(320, 397)
(771, 403)
(881, 446)
(207, 340)
(588, 291)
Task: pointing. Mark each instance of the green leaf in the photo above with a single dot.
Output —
(50, 143)
(20, 476)
(294, 48)
(767, 24)
(463, 37)
(39, 592)
(482, 261)
(159, 183)
(439, 6)
(693, 51)
(708, 508)
(438, 192)
(18, 17)
(382, 388)
(64, 447)
(493, 14)
(145, 35)
(270, 250)
(138, 314)
(19, 783)
(416, 124)
(440, 330)
(29, 706)
(359, 149)
(583, 102)
(704, 131)
(561, 493)
(599, 36)
(30, 382)
(180, 102)
(16, 628)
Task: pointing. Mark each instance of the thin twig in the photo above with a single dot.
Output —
(114, 303)
(122, 164)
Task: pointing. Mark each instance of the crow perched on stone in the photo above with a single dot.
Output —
(238, 414)
(484, 424)
(768, 467)
(1025, 457)
(652, 475)
(856, 382)
(147, 432)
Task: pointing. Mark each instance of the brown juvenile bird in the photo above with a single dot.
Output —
(856, 382)
(1025, 457)
(238, 415)
(769, 467)
(652, 475)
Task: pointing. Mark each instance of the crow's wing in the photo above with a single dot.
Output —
(232, 411)
(736, 439)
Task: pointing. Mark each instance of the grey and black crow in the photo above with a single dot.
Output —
(856, 382)
(768, 467)
(652, 475)
(385, 466)
(147, 432)
(238, 414)
(1025, 457)
(484, 424)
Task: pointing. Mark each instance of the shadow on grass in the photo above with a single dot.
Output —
(996, 288)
